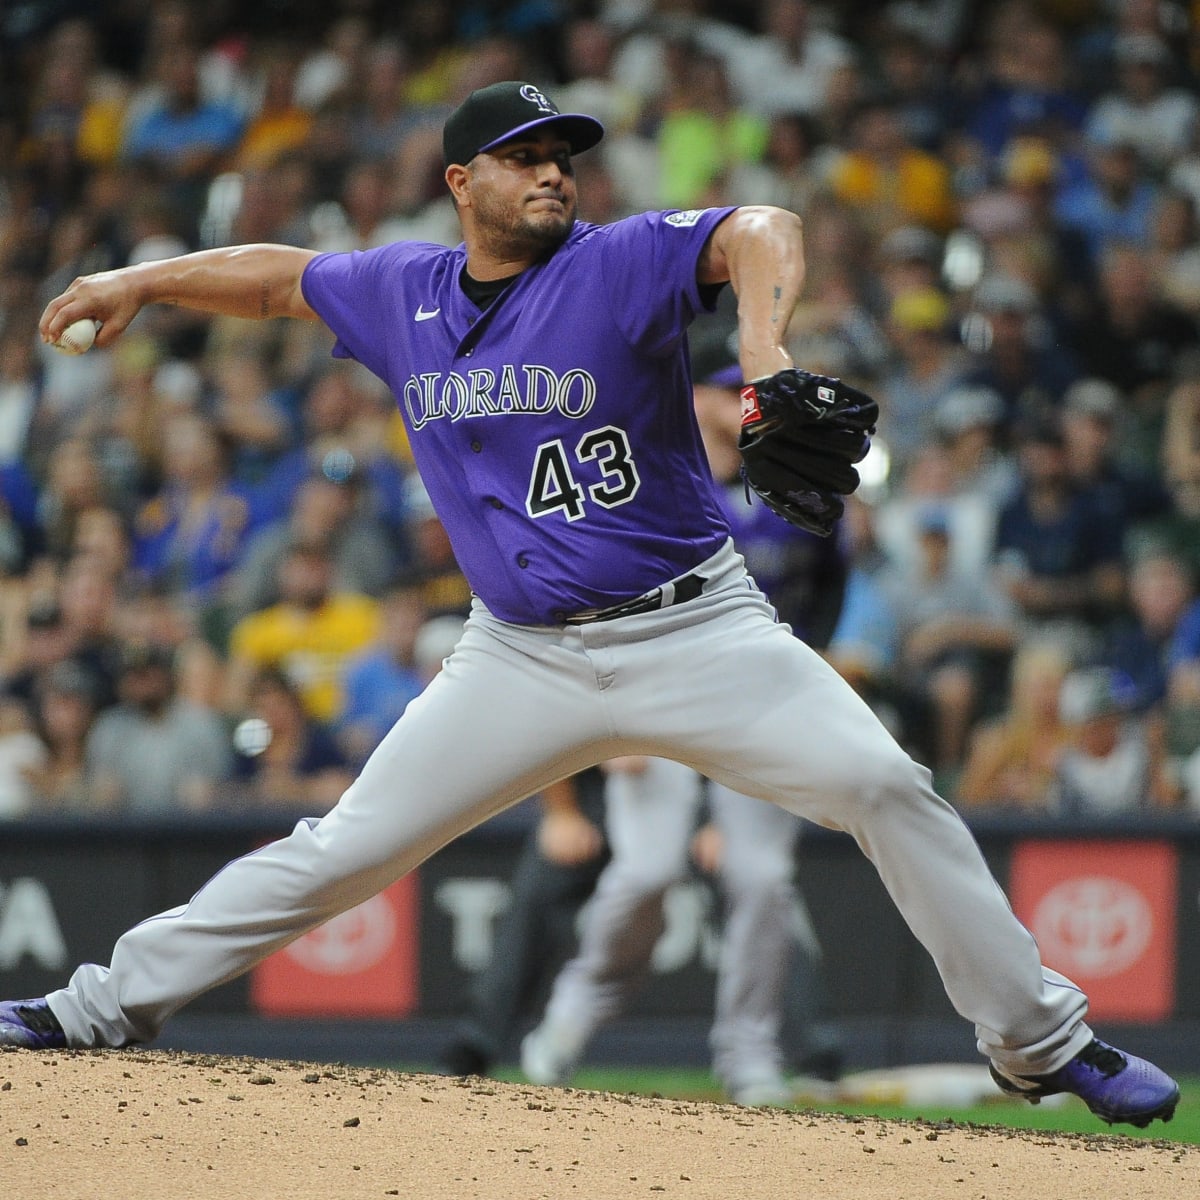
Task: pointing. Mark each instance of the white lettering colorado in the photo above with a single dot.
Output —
(530, 390)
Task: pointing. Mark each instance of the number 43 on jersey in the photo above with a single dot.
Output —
(553, 485)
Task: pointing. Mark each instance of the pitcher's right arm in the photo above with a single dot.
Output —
(255, 281)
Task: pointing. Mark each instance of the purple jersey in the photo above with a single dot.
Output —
(554, 430)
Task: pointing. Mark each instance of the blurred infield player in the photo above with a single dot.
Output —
(651, 809)
(542, 371)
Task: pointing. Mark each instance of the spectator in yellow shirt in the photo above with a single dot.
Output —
(280, 125)
(889, 180)
(309, 635)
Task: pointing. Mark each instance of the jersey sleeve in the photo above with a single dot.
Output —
(649, 272)
(357, 295)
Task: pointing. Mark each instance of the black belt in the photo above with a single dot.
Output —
(687, 587)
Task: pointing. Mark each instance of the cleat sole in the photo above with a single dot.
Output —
(1164, 1112)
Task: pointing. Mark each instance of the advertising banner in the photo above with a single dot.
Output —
(363, 963)
(1103, 913)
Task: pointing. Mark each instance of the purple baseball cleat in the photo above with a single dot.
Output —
(30, 1025)
(1117, 1087)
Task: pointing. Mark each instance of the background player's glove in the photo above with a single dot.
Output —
(801, 436)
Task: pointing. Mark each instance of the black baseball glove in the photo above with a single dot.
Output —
(801, 436)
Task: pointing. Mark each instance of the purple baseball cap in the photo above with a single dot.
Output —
(493, 115)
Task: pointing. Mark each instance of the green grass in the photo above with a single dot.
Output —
(1071, 1117)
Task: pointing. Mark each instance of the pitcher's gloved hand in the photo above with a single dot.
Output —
(801, 436)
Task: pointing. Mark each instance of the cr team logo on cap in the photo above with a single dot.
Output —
(544, 103)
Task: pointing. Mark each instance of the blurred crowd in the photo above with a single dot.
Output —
(221, 579)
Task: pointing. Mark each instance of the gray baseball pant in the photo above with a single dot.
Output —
(713, 682)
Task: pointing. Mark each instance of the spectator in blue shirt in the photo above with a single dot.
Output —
(1162, 629)
(192, 533)
(1014, 350)
(379, 683)
(184, 139)
(1114, 202)
(1059, 549)
(1026, 88)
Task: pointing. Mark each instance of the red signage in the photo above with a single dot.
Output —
(362, 963)
(1103, 913)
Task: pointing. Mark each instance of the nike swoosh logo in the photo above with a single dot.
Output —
(422, 315)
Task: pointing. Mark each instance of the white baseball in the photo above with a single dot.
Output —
(252, 736)
(78, 337)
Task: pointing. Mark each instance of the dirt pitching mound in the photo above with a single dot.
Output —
(128, 1125)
